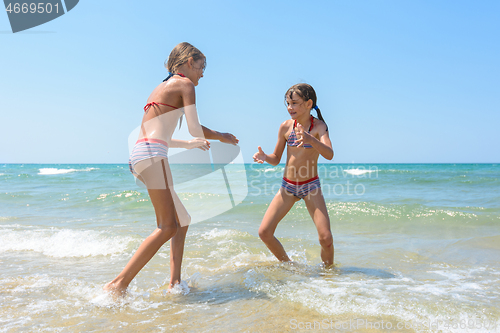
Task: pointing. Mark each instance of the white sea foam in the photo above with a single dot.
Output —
(181, 288)
(358, 172)
(275, 169)
(63, 243)
(216, 233)
(353, 294)
(55, 171)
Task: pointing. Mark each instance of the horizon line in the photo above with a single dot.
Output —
(89, 163)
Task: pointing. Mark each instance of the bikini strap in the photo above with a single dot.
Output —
(172, 74)
(310, 126)
(146, 108)
(153, 103)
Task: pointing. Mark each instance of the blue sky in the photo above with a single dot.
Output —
(397, 81)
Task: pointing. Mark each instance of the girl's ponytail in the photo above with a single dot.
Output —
(320, 117)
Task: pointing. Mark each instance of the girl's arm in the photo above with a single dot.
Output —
(194, 126)
(274, 158)
(323, 145)
(222, 137)
(195, 143)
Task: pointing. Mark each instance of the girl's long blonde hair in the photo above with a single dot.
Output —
(180, 55)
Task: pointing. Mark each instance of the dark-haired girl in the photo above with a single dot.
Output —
(306, 138)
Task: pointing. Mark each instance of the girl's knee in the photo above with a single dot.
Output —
(326, 239)
(166, 233)
(265, 234)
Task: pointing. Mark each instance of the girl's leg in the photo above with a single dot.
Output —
(279, 207)
(177, 242)
(316, 206)
(176, 253)
(162, 201)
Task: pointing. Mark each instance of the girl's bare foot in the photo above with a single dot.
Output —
(115, 289)
(179, 288)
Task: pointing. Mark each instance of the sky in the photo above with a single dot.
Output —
(397, 81)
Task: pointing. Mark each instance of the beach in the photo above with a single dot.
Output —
(417, 249)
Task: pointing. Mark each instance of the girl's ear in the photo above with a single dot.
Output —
(190, 61)
(309, 104)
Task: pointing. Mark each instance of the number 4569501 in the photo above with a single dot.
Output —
(32, 8)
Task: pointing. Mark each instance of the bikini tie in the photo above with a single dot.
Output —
(146, 108)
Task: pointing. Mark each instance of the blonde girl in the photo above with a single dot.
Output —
(169, 101)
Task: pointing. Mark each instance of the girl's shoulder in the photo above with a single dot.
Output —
(285, 126)
(320, 125)
(177, 86)
(287, 123)
(179, 83)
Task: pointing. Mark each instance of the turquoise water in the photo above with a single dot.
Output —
(416, 245)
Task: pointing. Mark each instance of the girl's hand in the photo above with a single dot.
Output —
(228, 138)
(260, 156)
(199, 143)
(303, 137)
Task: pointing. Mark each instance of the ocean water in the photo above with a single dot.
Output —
(417, 249)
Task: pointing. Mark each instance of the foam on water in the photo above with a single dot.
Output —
(216, 233)
(55, 171)
(180, 289)
(341, 293)
(63, 243)
(396, 211)
(358, 172)
(275, 169)
(53, 293)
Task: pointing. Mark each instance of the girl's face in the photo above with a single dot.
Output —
(196, 70)
(297, 107)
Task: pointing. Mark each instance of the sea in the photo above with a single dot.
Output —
(417, 249)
